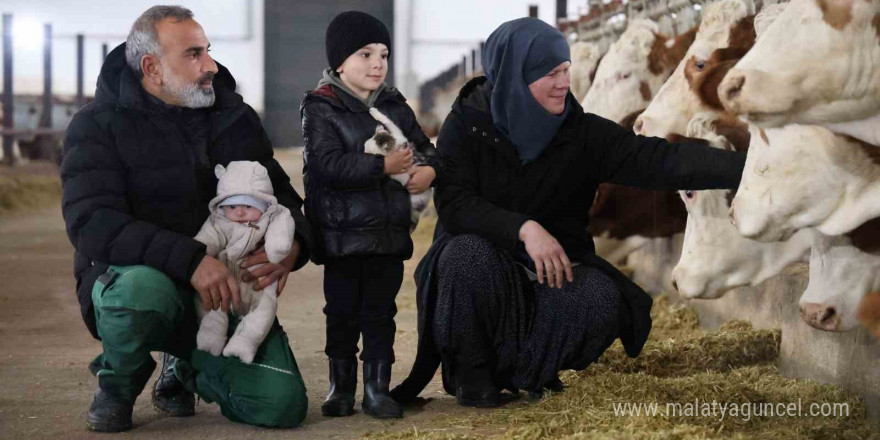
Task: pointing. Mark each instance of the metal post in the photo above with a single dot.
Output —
(103, 52)
(8, 121)
(46, 117)
(80, 58)
(561, 10)
(473, 61)
(533, 11)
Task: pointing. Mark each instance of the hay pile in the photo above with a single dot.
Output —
(680, 364)
(28, 187)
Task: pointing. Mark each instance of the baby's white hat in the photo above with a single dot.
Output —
(245, 199)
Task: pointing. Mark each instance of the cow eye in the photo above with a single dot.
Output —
(701, 64)
(689, 194)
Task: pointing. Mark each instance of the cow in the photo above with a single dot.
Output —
(818, 63)
(633, 69)
(869, 312)
(801, 176)
(724, 35)
(843, 270)
(584, 61)
(715, 257)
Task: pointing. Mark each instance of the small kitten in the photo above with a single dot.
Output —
(389, 138)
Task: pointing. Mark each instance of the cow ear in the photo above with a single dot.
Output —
(219, 170)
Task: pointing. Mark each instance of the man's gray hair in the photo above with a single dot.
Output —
(143, 38)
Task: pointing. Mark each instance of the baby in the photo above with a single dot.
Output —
(244, 212)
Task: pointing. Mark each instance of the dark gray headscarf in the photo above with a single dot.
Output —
(518, 53)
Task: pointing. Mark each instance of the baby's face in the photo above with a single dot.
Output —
(241, 213)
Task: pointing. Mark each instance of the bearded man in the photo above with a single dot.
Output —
(137, 176)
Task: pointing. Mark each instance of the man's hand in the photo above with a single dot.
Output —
(547, 254)
(269, 272)
(398, 161)
(215, 285)
(420, 178)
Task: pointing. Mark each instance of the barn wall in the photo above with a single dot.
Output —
(851, 360)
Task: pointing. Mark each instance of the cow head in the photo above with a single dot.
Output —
(816, 63)
(725, 34)
(801, 176)
(715, 257)
(841, 275)
(634, 67)
(584, 60)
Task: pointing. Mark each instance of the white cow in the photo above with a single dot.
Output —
(584, 61)
(841, 274)
(801, 176)
(632, 70)
(724, 35)
(715, 257)
(818, 63)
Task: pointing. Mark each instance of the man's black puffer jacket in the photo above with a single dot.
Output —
(355, 208)
(137, 181)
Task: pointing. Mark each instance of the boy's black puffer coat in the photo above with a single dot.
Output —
(355, 208)
(137, 181)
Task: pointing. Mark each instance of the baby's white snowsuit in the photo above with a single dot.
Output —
(231, 242)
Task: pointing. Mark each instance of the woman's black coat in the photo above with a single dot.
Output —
(488, 192)
(356, 208)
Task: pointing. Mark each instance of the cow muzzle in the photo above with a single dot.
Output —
(820, 316)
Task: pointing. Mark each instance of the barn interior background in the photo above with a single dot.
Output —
(52, 53)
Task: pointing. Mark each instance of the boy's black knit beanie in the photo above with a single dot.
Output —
(350, 31)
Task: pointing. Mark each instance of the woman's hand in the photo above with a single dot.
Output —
(420, 178)
(547, 254)
(398, 161)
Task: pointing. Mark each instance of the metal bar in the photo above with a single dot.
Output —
(80, 58)
(8, 120)
(46, 117)
(533, 11)
(28, 132)
(103, 52)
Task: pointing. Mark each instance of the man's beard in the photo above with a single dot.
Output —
(190, 95)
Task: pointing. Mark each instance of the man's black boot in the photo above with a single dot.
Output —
(109, 414)
(474, 387)
(377, 402)
(343, 383)
(169, 395)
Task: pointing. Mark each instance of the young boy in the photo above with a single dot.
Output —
(362, 216)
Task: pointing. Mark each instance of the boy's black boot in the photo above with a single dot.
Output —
(108, 413)
(170, 397)
(377, 401)
(343, 383)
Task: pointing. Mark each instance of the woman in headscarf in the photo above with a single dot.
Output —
(511, 291)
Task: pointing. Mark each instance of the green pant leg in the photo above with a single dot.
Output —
(269, 392)
(136, 308)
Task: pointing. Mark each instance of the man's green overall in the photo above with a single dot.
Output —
(139, 309)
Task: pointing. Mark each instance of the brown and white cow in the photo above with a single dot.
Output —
(843, 270)
(802, 176)
(584, 61)
(633, 69)
(715, 257)
(724, 35)
(818, 63)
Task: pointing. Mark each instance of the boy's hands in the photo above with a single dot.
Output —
(398, 161)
